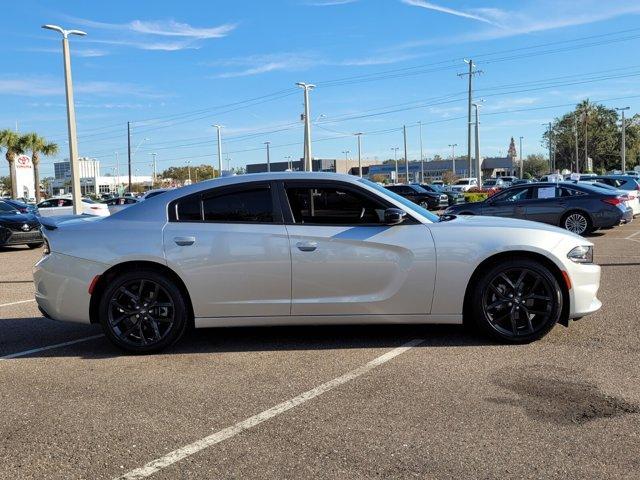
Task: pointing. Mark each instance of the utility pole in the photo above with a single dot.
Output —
(117, 174)
(406, 158)
(586, 142)
(421, 155)
(268, 157)
(219, 150)
(129, 151)
(453, 156)
(188, 162)
(358, 135)
(478, 169)
(552, 160)
(395, 157)
(575, 132)
(153, 178)
(71, 117)
(472, 72)
(521, 161)
(623, 147)
(308, 160)
(288, 159)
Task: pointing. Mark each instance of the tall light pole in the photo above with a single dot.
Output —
(575, 132)
(406, 157)
(472, 72)
(307, 126)
(71, 116)
(421, 155)
(521, 156)
(117, 173)
(453, 156)
(478, 166)
(623, 147)
(552, 153)
(268, 156)
(219, 149)
(395, 157)
(288, 159)
(188, 162)
(153, 178)
(359, 135)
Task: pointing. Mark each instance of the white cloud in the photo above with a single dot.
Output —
(486, 15)
(175, 29)
(49, 86)
(76, 52)
(329, 3)
(257, 64)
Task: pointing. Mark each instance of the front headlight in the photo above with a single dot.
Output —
(581, 254)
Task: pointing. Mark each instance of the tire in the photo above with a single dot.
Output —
(143, 312)
(35, 245)
(521, 310)
(576, 222)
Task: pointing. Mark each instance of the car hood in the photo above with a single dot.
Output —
(21, 217)
(501, 222)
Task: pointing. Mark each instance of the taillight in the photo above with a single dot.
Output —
(612, 201)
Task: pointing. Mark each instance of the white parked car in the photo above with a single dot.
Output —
(307, 248)
(116, 204)
(464, 184)
(57, 206)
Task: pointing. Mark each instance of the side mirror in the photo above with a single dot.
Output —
(394, 216)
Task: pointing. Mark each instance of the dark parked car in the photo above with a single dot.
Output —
(453, 198)
(19, 228)
(578, 208)
(417, 194)
(22, 207)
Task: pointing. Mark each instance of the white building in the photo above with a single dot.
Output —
(91, 181)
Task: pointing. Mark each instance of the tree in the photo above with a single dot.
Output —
(180, 174)
(10, 141)
(535, 166)
(5, 185)
(437, 158)
(37, 145)
(597, 127)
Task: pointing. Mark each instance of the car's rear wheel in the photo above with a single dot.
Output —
(143, 312)
(577, 222)
(516, 301)
(35, 245)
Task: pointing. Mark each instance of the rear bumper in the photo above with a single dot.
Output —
(61, 284)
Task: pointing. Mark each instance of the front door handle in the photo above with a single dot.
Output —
(307, 246)
(184, 241)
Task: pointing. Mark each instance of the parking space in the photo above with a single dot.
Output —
(350, 402)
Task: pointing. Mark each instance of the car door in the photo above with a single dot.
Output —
(347, 261)
(502, 204)
(546, 205)
(231, 248)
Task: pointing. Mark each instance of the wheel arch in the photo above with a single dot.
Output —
(515, 255)
(575, 210)
(112, 272)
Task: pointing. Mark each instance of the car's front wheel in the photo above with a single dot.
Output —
(143, 311)
(577, 222)
(516, 301)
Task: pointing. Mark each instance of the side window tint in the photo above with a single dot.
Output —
(333, 206)
(188, 209)
(253, 205)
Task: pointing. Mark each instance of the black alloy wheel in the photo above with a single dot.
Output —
(517, 301)
(143, 312)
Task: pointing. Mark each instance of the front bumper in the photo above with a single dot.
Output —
(61, 284)
(585, 282)
(11, 237)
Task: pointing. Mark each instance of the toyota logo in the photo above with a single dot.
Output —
(25, 228)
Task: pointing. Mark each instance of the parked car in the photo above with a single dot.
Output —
(453, 198)
(23, 207)
(628, 183)
(17, 228)
(334, 248)
(493, 183)
(522, 181)
(420, 196)
(508, 180)
(438, 183)
(119, 203)
(578, 208)
(464, 184)
(64, 206)
(630, 197)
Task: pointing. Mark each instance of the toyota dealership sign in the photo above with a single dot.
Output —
(24, 177)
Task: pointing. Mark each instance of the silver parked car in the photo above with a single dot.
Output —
(307, 248)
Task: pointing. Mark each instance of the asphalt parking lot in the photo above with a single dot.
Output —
(325, 402)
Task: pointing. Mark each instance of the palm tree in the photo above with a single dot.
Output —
(37, 145)
(10, 141)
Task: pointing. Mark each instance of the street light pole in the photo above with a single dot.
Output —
(521, 156)
(188, 162)
(453, 156)
(219, 150)
(308, 166)
(153, 178)
(421, 155)
(288, 159)
(71, 116)
(406, 157)
(268, 157)
(623, 147)
(395, 157)
(478, 169)
(359, 135)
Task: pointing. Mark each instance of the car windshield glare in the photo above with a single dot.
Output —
(408, 203)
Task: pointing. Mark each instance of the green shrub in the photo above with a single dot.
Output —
(475, 197)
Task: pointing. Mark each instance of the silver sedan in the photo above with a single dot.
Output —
(307, 248)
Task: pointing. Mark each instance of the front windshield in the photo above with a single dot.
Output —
(462, 182)
(408, 203)
(490, 182)
(6, 208)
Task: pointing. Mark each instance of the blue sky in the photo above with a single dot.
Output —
(173, 69)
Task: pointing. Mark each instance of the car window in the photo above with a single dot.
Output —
(570, 192)
(462, 182)
(333, 206)
(252, 205)
(66, 203)
(512, 195)
(401, 200)
(189, 209)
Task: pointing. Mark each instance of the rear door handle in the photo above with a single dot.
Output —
(184, 241)
(307, 246)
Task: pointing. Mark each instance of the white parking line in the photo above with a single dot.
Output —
(16, 303)
(195, 447)
(50, 347)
